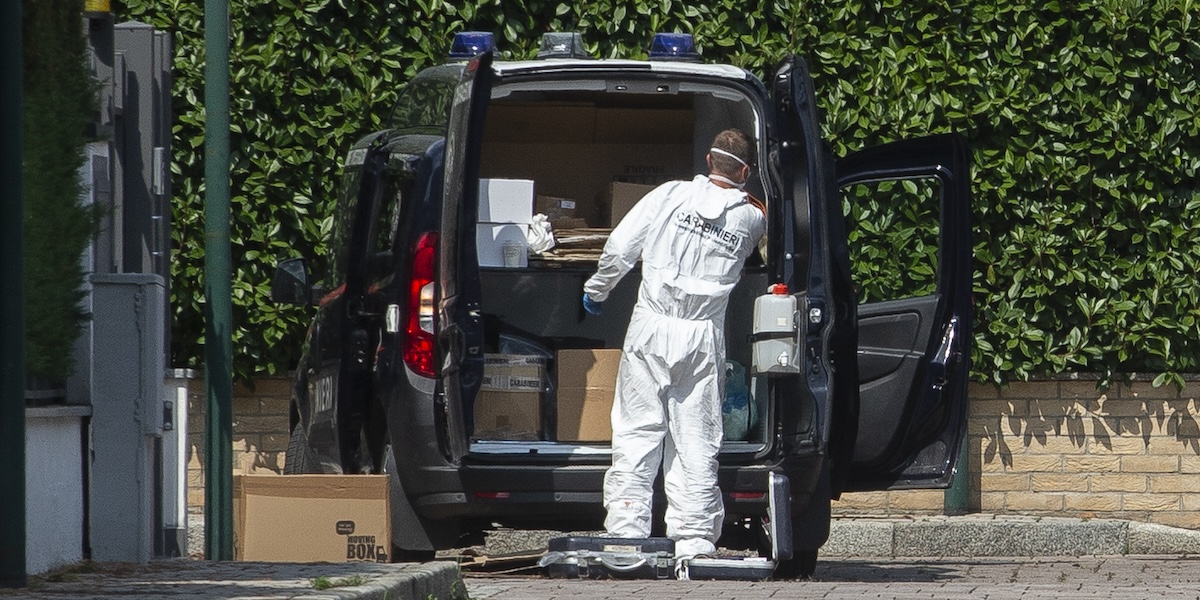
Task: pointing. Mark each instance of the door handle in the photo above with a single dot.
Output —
(453, 343)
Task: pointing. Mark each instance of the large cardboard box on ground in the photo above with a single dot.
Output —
(311, 518)
(587, 382)
(620, 198)
(509, 403)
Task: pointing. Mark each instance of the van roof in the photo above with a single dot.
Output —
(617, 65)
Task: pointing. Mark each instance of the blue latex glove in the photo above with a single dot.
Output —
(590, 305)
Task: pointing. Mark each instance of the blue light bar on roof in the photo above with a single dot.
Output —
(469, 44)
(673, 46)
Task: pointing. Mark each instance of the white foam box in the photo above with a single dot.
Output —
(506, 200)
(491, 237)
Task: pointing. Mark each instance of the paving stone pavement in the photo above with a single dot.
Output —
(1125, 577)
(176, 579)
(865, 558)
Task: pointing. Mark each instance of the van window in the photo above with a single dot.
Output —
(424, 103)
(343, 223)
(381, 240)
(893, 228)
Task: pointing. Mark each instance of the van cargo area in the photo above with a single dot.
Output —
(581, 155)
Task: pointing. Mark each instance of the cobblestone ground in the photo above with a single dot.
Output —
(1082, 578)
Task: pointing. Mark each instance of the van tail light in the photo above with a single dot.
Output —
(418, 338)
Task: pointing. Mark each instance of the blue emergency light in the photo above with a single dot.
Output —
(673, 46)
(469, 44)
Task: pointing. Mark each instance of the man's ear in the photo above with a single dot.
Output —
(745, 173)
(708, 162)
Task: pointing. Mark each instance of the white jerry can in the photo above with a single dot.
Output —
(774, 333)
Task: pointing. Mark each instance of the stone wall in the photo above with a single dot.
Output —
(260, 430)
(1051, 447)
(1064, 448)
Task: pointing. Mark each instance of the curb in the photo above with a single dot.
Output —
(418, 581)
(991, 536)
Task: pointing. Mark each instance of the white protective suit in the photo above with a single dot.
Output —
(692, 238)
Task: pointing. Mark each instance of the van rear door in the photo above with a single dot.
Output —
(459, 331)
(909, 206)
(808, 253)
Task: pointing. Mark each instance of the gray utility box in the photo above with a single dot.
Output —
(127, 415)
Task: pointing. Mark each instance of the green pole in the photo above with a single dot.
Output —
(956, 499)
(12, 303)
(218, 331)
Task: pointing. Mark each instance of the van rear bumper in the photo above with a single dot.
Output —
(494, 491)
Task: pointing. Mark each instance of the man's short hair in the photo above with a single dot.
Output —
(737, 143)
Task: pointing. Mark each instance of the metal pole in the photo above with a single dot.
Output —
(218, 332)
(12, 303)
(956, 498)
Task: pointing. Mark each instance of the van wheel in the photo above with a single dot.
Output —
(415, 556)
(801, 566)
(299, 459)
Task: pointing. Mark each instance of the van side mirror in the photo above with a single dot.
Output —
(290, 284)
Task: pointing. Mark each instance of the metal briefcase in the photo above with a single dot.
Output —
(607, 557)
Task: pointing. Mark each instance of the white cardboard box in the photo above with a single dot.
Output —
(506, 200)
(490, 239)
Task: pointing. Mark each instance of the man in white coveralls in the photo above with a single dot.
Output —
(692, 238)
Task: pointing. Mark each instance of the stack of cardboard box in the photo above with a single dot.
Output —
(509, 403)
(505, 211)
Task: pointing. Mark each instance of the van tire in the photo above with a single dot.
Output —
(298, 459)
(411, 556)
(801, 566)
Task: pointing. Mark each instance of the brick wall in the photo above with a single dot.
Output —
(1063, 448)
(1053, 447)
(260, 430)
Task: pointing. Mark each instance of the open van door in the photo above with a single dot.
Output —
(459, 332)
(809, 255)
(914, 326)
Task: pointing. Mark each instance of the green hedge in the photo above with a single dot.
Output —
(59, 102)
(1082, 118)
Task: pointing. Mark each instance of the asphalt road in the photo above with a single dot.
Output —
(1070, 578)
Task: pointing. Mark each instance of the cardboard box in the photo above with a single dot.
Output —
(621, 197)
(311, 518)
(644, 126)
(540, 122)
(508, 415)
(587, 382)
(509, 403)
(491, 240)
(505, 200)
(555, 207)
(514, 373)
(584, 171)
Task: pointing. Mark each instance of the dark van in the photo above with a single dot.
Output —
(449, 348)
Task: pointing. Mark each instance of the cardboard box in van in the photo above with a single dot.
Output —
(505, 200)
(502, 244)
(311, 518)
(621, 197)
(557, 208)
(587, 382)
(509, 403)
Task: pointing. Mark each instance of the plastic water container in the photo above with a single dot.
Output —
(774, 333)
